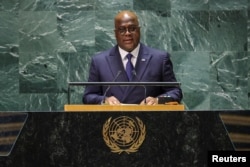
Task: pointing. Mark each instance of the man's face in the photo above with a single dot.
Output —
(127, 31)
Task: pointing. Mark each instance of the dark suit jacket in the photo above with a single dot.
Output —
(152, 66)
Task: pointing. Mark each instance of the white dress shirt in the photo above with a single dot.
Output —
(124, 53)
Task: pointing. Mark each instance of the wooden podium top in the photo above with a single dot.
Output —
(127, 108)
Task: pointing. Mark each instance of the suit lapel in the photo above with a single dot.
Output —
(115, 63)
(143, 59)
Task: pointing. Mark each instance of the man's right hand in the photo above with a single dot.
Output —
(112, 100)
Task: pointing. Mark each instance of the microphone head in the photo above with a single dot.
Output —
(118, 73)
(133, 72)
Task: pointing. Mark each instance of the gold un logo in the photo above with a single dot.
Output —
(124, 134)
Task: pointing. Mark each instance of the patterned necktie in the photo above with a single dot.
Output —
(129, 67)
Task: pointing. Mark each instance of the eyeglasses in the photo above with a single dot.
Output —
(130, 29)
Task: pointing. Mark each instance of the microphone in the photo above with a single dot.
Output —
(106, 91)
(145, 90)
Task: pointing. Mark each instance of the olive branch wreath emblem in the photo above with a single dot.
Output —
(114, 147)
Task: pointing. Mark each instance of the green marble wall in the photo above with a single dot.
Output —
(46, 43)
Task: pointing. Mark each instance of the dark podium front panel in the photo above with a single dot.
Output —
(77, 139)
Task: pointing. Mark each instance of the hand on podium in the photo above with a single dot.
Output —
(114, 101)
(149, 101)
(111, 101)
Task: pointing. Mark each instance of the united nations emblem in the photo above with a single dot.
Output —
(124, 134)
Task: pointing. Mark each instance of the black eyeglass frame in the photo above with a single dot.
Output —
(130, 29)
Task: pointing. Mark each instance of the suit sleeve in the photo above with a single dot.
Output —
(93, 94)
(169, 76)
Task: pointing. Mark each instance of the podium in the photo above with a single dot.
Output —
(127, 108)
(78, 137)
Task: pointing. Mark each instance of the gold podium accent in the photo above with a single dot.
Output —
(127, 108)
(124, 134)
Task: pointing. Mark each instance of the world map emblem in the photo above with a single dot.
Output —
(124, 134)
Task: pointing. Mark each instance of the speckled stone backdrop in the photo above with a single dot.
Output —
(46, 43)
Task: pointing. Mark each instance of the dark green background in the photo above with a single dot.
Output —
(46, 43)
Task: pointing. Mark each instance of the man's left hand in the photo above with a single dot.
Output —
(149, 101)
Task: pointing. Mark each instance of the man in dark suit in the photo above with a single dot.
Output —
(130, 60)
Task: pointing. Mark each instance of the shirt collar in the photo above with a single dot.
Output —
(124, 53)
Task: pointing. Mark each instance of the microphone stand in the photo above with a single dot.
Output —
(167, 84)
(106, 91)
(145, 90)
